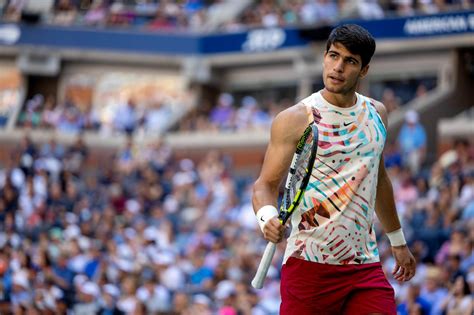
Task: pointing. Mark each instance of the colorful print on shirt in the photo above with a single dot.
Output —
(334, 222)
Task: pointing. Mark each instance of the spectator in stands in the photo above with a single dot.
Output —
(31, 115)
(432, 290)
(223, 115)
(465, 202)
(270, 16)
(392, 156)
(65, 12)
(51, 114)
(390, 100)
(157, 117)
(71, 121)
(128, 302)
(414, 303)
(181, 302)
(412, 142)
(459, 299)
(28, 154)
(404, 7)
(421, 91)
(76, 156)
(120, 15)
(249, 116)
(97, 14)
(87, 302)
(160, 22)
(427, 6)
(13, 9)
(456, 248)
(290, 12)
(365, 9)
(126, 117)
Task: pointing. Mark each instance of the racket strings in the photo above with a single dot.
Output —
(297, 172)
(300, 169)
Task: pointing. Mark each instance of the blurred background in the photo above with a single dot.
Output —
(131, 132)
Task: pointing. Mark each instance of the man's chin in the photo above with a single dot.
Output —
(334, 90)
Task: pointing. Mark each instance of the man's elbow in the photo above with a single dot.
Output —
(262, 185)
(259, 185)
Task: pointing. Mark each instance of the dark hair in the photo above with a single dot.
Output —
(356, 39)
(466, 288)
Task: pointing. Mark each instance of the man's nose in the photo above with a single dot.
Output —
(339, 66)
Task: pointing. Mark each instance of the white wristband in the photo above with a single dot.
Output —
(264, 214)
(397, 238)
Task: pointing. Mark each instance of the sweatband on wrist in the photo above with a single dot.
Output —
(396, 238)
(264, 214)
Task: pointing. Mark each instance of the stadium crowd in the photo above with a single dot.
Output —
(147, 233)
(188, 15)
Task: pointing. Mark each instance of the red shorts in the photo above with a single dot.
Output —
(313, 288)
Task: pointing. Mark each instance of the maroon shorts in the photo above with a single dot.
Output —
(320, 289)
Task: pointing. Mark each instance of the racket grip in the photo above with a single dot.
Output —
(264, 265)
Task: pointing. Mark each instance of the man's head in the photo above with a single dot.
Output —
(348, 52)
(356, 39)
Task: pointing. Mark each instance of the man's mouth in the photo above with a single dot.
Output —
(336, 79)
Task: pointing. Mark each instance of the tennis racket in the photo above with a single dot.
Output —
(296, 182)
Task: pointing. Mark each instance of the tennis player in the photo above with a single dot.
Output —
(331, 263)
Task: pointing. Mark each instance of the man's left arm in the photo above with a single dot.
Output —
(405, 266)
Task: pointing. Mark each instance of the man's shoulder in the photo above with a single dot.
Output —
(372, 101)
(379, 107)
(295, 114)
(310, 100)
(291, 122)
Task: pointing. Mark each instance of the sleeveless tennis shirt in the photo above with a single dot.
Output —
(334, 222)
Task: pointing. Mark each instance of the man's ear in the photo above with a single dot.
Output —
(364, 71)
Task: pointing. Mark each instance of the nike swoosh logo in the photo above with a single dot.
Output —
(345, 125)
(261, 219)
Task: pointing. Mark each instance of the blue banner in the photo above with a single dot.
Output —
(420, 26)
(255, 40)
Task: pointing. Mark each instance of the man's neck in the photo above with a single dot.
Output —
(340, 100)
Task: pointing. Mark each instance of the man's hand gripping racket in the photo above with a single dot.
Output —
(296, 183)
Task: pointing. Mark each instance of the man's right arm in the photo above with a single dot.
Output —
(287, 128)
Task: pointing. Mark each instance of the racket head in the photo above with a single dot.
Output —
(300, 172)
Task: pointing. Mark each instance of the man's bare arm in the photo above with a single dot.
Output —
(405, 267)
(385, 201)
(286, 130)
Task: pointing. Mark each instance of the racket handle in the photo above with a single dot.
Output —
(264, 265)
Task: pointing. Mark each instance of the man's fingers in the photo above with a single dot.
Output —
(275, 223)
(273, 236)
(409, 272)
(403, 273)
(274, 231)
(398, 275)
(395, 269)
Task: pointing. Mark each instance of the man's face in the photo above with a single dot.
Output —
(342, 70)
